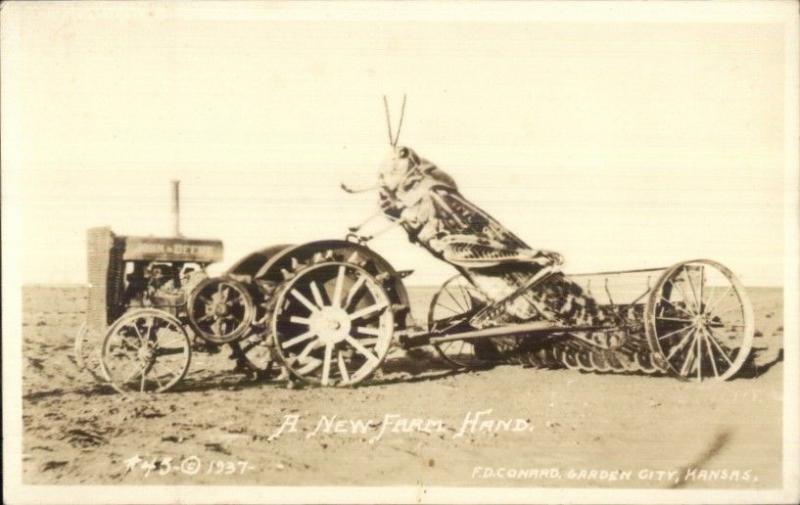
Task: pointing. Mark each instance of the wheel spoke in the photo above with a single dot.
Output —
(326, 364)
(307, 350)
(737, 308)
(299, 338)
(684, 340)
(169, 368)
(667, 335)
(300, 320)
(137, 369)
(141, 383)
(342, 367)
(683, 293)
(155, 376)
(138, 333)
(447, 307)
(354, 290)
(710, 353)
(127, 343)
(719, 347)
(698, 337)
(360, 348)
(694, 291)
(316, 294)
(702, 286)
(302, 299)
(366, 330)
(462, 299)
(452, 297)
(713, 305)
(312, 365)
(150, 327)
(677, 307)
(467, 296)
(687, 361)
(367, 311)
(337, 289)
(674, 319)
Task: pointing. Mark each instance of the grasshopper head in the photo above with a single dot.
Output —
(404, 170)
(398, 167)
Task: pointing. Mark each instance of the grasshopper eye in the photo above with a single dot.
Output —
(402, 152)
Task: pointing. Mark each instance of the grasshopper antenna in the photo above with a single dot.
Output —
(388, 120)
(400, 124)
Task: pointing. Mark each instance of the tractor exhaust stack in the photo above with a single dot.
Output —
(176, 208)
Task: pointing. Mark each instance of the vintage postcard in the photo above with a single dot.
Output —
(389, 252)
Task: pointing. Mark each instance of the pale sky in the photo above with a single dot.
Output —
(619, 144)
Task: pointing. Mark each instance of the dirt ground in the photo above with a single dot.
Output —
(546, 427)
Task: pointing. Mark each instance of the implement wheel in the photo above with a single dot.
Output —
(699, 321)
(145, 351)
(455, 302)
(332, 323)
(87, 352)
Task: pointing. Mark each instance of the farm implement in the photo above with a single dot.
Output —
(329, 311)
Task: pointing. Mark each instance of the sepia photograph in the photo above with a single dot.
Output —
(400, 252)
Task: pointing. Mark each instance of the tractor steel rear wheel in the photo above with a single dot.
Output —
(699, 321)
(220, 310)
(455, 301)
(145, 351)
(332, 323)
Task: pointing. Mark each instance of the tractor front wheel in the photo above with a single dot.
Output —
(145, 351)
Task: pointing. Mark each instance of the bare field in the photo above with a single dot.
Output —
(76, 431)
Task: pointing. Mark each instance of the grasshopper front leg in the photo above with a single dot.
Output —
(357, 229)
